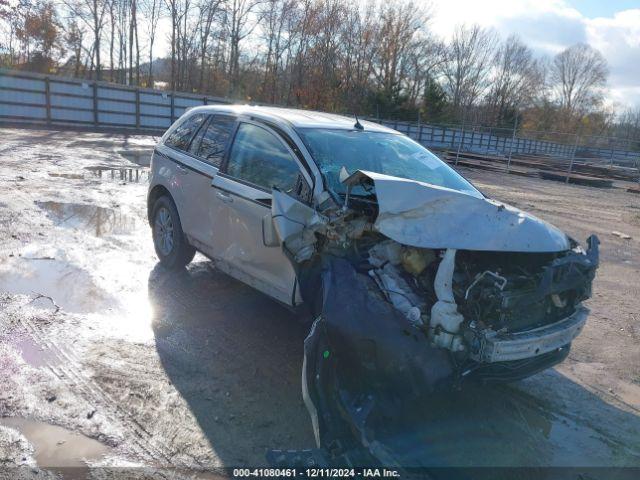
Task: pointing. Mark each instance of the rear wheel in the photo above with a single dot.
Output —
(169, 240)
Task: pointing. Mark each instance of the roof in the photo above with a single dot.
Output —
(297, 118)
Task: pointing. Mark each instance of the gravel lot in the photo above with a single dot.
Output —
(107, 360)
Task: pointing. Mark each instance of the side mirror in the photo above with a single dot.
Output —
(269, 236)
(344, 174)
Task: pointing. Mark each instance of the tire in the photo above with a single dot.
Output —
(169, 241)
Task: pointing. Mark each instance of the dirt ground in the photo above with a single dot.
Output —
(107, 360)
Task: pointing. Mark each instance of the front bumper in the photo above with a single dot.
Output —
(506, 347)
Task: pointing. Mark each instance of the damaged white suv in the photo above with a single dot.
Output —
(414, 278)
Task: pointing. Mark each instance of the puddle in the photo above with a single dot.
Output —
(71, 176)
(33, 354)
(140, 157)
(56, 446)
(131, 175)
(70, 287)
(98, 221)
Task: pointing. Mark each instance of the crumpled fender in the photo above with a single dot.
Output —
(362, 347)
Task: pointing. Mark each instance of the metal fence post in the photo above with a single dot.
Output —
(173, 114)
(573, 157)
(137, 107)
(612, 151)
(513, 137)
(460, 145)
(47, 96)
(95, 103)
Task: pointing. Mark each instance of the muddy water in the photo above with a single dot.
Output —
(71, 288)
(120, 174)
(70, 176)
(98, 221)
(56, 446)
(33, 354)
(140, 157)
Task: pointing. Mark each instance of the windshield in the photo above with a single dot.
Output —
(380, 152)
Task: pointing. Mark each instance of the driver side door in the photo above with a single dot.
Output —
(257, 161)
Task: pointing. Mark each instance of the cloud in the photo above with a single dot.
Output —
(618, 39)
(549, 26)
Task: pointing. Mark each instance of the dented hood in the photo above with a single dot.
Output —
(423, 215)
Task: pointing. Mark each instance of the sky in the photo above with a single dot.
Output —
(549, 26)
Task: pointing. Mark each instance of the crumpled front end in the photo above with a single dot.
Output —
(407, 302)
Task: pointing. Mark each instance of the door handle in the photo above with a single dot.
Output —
(183, 170)
(224, 197)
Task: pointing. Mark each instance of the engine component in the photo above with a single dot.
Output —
(415, 260)
(513, 292)
(398, 292)
(383, 252)
(500, 283)
(445, 318)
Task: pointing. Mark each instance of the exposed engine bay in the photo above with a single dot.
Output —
(423, 291)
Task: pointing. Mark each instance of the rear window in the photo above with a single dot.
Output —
(213, 139)
(181, 137)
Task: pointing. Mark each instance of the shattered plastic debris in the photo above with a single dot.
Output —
(621, 235)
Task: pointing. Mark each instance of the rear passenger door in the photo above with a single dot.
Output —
(206, 152)
(258, 160)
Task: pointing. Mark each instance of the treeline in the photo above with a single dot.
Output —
(377, 58)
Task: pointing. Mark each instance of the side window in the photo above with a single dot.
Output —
(213, 141)
(259, 157)
(181, 136)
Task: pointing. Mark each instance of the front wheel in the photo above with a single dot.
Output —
(169, 240)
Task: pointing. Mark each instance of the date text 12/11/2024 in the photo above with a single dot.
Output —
(316, 472)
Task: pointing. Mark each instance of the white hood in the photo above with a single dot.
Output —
(423, 215)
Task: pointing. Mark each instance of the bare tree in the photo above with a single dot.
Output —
(73, 38)
(468, 66)
(399, 25)
(151, 10)
(92, 13)
(278, 22)
(209, 10)
(578, 75)
(173, 8)
(517, 78)
(242, 21)
(629, 123)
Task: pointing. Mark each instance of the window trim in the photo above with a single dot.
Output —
(223, 167)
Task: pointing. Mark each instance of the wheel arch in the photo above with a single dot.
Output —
(154, 194)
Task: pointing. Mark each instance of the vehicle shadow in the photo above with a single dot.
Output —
(235, 357)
